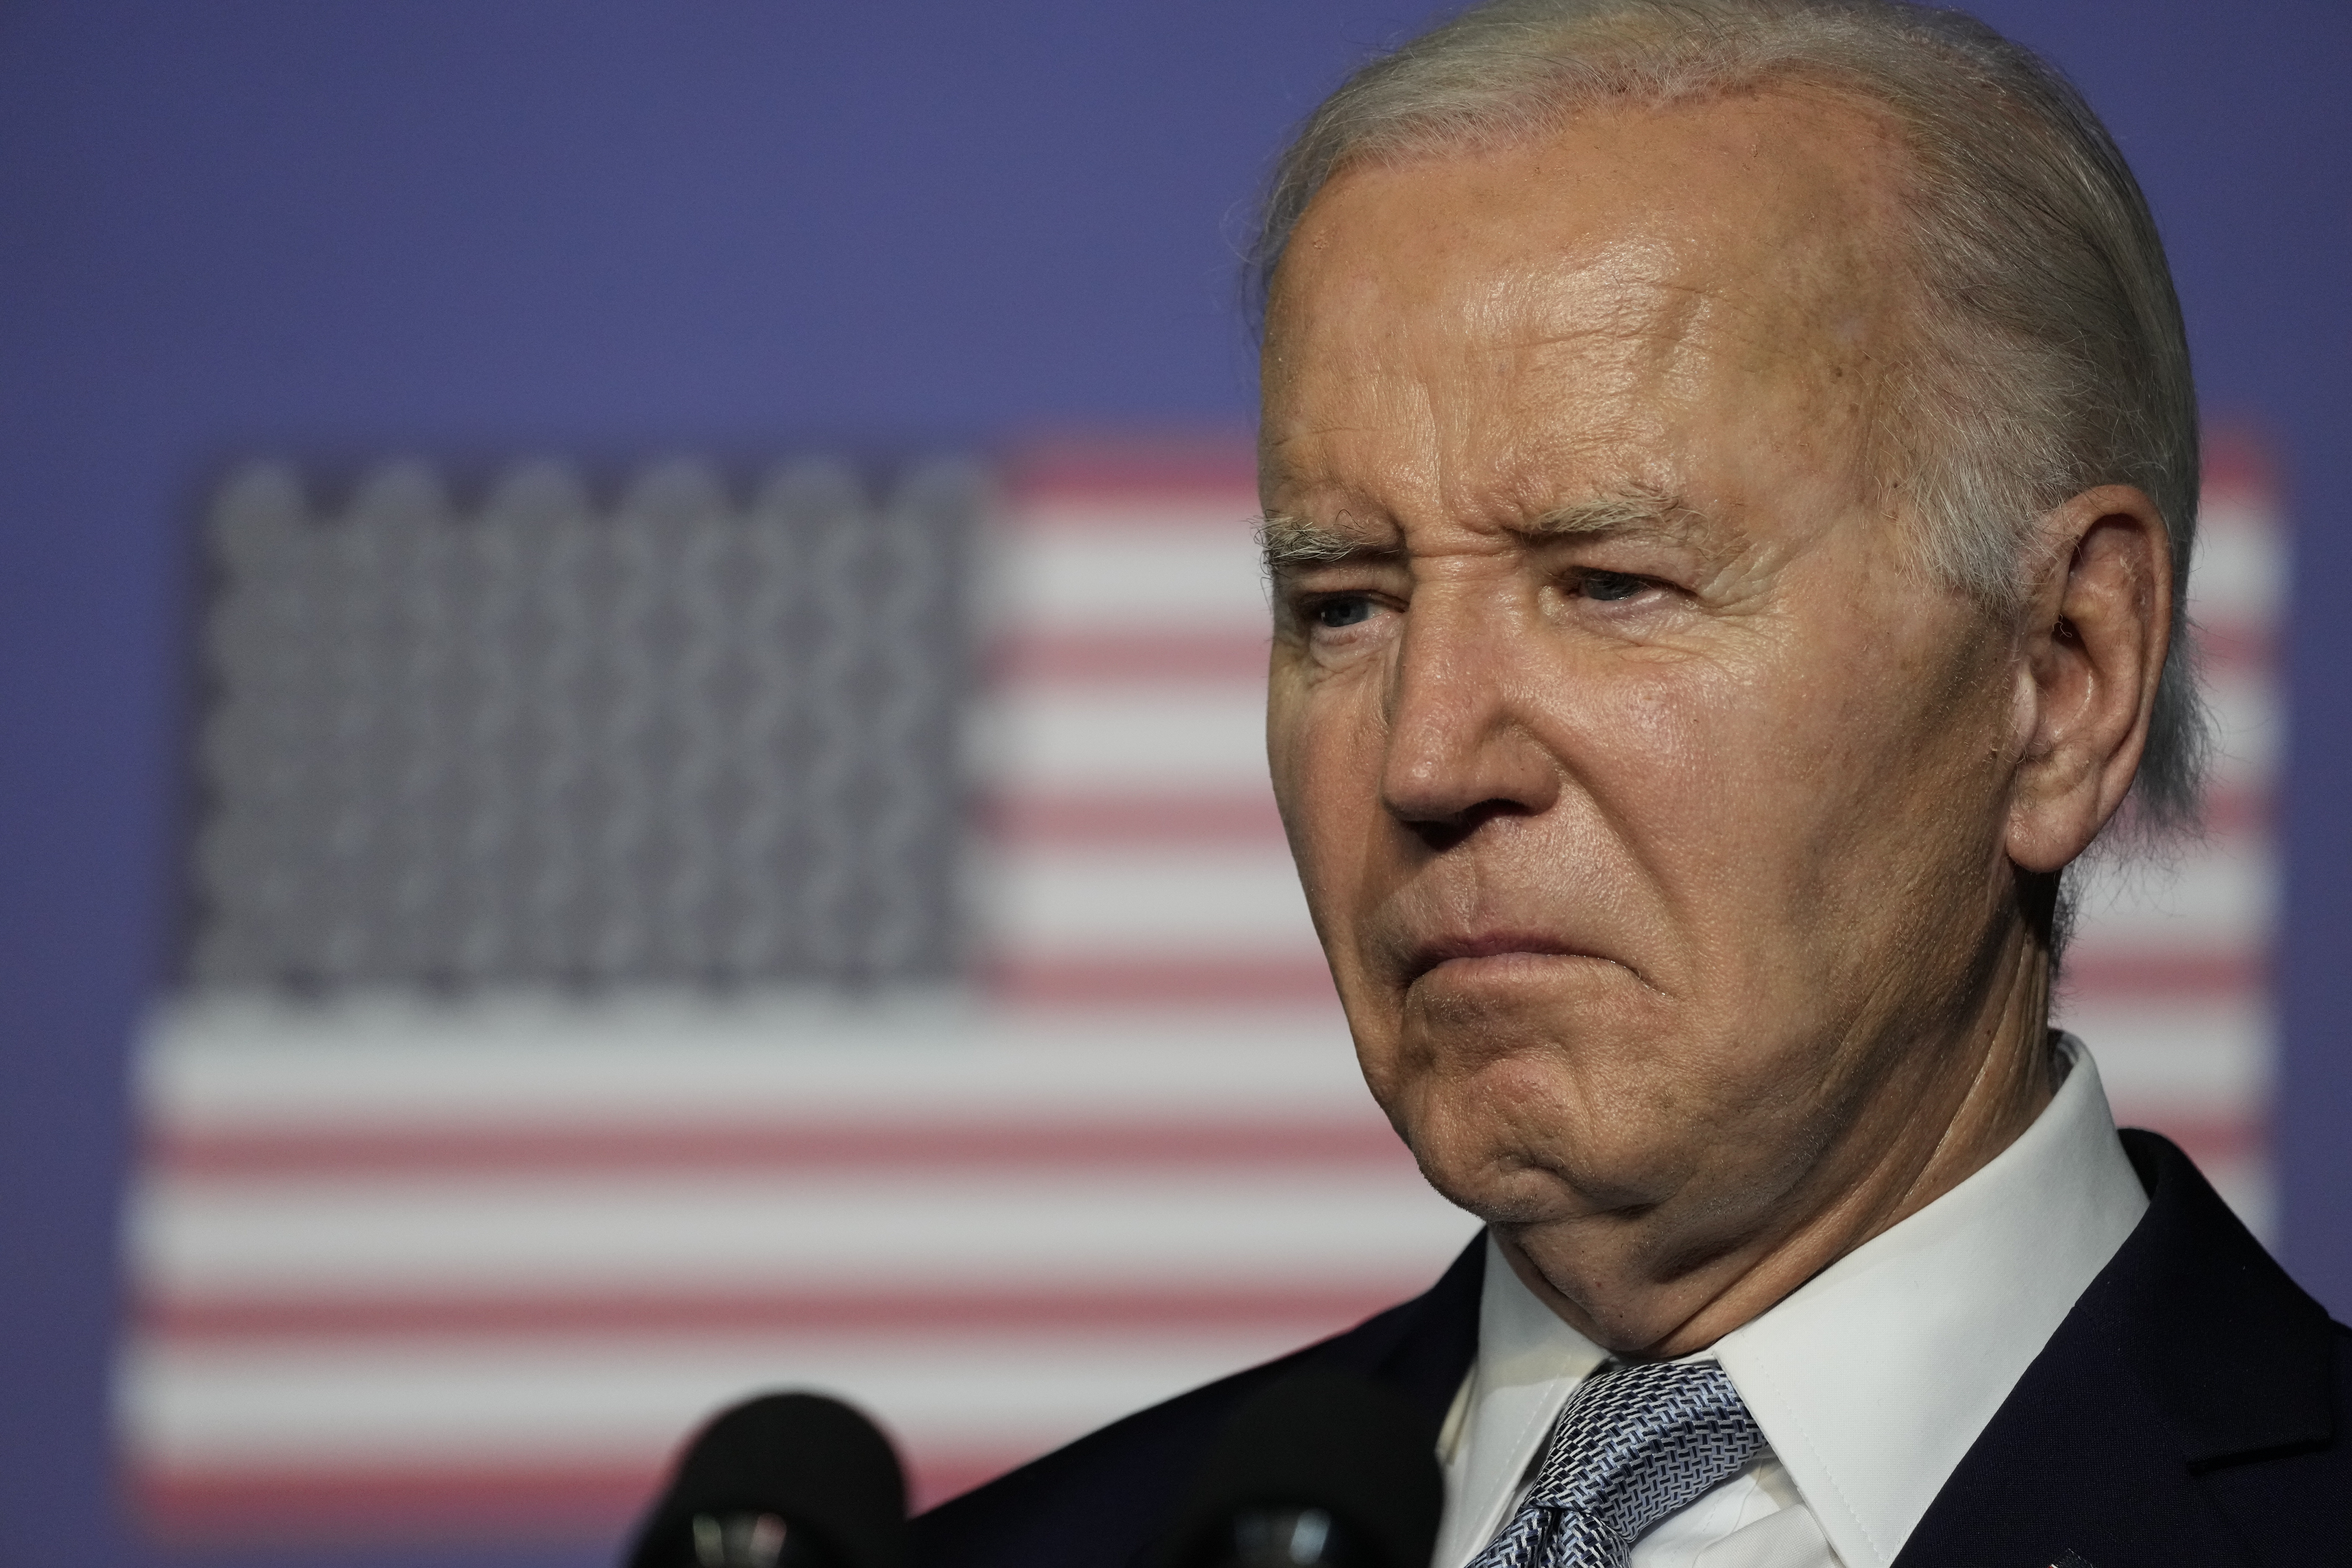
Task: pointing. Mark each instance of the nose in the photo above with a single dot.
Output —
(1458, 751)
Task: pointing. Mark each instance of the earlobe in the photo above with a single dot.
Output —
(2097, 623)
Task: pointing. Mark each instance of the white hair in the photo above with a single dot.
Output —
(2047, 355)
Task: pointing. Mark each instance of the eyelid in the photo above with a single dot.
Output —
(1641, 588)
(1303, 611)
(1586, 571)
(1309, 602)
(1327, 576)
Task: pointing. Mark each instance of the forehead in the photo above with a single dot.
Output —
(1642, 278)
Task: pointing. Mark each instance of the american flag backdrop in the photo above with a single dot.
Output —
(658, 941)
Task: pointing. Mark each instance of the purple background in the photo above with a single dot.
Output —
(610, 229)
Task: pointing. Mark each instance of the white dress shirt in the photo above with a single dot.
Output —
(1870, 1381)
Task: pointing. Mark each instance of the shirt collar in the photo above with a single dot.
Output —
(1528, 1363)
(1873, 1379)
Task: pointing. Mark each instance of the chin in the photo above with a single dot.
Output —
(1529, 1094)
(1513, 1166)
(1527, 1030)
(1511, 1200)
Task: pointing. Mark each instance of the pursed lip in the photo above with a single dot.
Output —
(1426, 956)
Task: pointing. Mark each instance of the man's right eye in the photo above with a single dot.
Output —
(1349, 610)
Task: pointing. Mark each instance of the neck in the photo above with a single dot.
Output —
(1911, 1146)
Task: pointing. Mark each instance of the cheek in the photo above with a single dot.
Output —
(1323, 754)
(1771, 802)
(1701, 776)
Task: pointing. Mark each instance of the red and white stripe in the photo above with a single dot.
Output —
(1130, 851)
(441, 1269)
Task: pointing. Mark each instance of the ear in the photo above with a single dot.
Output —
(2091, 648)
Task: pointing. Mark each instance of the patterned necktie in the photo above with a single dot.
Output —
(1636, 1445)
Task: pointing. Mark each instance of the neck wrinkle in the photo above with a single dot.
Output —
(2016, 1078)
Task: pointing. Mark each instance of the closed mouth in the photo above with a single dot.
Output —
(1489, 944)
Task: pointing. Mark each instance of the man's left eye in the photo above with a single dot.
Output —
(1349, 610)
(1609, 586)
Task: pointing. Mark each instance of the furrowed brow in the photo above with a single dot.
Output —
(1292, 544)
(1631, 511)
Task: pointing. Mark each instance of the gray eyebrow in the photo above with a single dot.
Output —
(1629, 509)
(1293, 543)
(1290, 542)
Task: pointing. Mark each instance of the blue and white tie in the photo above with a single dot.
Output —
(1635, 1445)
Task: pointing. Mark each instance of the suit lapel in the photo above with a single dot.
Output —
(1422, 1349)
(2190, 1352)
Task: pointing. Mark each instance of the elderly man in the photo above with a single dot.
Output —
(1729, 470)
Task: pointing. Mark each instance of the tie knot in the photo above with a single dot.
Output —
(1640, 1443)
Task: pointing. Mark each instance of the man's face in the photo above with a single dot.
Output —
(1648, 796)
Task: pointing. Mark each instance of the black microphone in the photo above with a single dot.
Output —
(784, 1480)
(1320, 1469)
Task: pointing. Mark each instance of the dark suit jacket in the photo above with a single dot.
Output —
(2185, 1413)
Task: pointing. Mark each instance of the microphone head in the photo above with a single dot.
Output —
(784, 1480)
(1321, 1467)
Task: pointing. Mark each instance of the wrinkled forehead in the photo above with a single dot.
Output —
(1712, 250)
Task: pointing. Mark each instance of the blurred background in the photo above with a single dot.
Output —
(628, 654)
